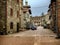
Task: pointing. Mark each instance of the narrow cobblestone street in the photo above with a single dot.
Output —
(40, 36)
(17, 16)
(39, 32)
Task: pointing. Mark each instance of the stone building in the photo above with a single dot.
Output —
(3, 18)
(10, 13)
(55, 15)
(45, 19)
(21, 14)
(26, 14)
(36, 20)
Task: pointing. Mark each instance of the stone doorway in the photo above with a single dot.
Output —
(17, 27)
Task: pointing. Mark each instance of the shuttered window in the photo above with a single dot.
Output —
(18, 1)
(17, 13)
(11, 12)
(11, 25)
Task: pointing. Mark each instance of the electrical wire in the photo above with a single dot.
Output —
(39, 7)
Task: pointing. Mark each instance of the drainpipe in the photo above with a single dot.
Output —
(57, 30)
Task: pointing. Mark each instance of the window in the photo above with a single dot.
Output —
(11, 25)
(17, 13)
(18, 1)
(11, 12)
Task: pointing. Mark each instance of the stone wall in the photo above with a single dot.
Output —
(2, 14)
(7, 16)
(12, 4)
(58, 16)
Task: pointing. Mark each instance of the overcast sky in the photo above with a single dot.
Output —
(39, 6)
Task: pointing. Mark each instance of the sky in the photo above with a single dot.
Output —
(38, 6)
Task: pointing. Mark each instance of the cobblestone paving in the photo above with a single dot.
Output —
(38, 37)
